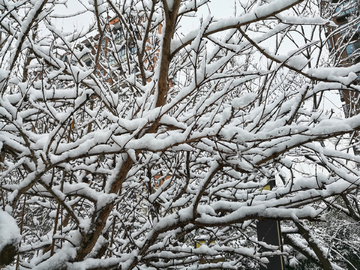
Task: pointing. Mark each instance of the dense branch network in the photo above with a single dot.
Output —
(128, 145)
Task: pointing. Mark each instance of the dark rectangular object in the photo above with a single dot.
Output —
(269, 231)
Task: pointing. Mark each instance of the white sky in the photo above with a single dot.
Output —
(218, 8)
(70, 24)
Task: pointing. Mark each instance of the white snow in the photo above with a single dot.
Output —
(9, 231)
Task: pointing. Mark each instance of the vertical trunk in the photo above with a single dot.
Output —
(89, 240)
(165, 58)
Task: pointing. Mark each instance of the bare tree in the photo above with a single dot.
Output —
(128, 144)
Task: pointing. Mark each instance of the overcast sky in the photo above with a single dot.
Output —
(219, 9)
